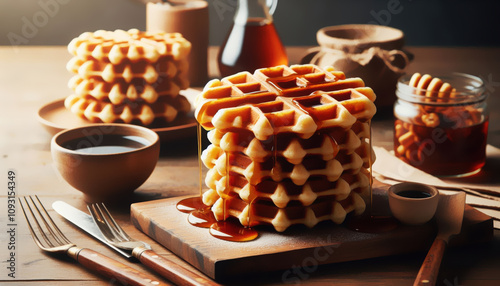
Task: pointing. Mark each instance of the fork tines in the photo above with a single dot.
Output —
(101, 213)
(44, 231)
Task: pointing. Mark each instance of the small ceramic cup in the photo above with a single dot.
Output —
(413, 203)
(106, 161)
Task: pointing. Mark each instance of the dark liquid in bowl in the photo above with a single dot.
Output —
(414, 194)
(106, 144)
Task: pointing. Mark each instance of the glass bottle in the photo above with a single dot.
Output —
(253, 41)
(444, 136)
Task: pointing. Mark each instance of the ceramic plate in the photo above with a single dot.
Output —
(55, 118)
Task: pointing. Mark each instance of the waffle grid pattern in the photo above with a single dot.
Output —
(128, 76)
(289, 145)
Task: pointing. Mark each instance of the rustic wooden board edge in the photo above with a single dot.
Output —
(475, 223)
(170, 241)
(228, 270)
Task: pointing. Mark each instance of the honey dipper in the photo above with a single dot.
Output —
(431, 86)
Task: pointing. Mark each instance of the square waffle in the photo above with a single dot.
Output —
(283, 103)
(262, 212)
(128, 76)
(289, 145)
(162, 111)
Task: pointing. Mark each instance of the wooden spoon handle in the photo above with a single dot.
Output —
(170, 270)
(112, 269)
(429, 271)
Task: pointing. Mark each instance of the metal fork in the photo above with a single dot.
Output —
(50, 238)
(116, 236)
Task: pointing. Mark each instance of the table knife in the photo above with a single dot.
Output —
(86, 223)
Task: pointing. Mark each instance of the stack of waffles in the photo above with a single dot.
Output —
(289, 145)
(128, 76)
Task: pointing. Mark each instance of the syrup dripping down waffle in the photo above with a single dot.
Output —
(289, 145)
(263, 212)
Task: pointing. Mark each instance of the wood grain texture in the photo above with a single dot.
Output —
(115, 270)
(33, 76)
(172, 271)
(428, 273)
(324, 244)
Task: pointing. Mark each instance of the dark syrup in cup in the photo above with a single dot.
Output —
(414, 194)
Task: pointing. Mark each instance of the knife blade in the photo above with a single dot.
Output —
(86, 223)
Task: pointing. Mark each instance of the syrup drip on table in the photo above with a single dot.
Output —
(229, 228)
(202, 218)
(201, 215)
(233, 231)
(190, 204)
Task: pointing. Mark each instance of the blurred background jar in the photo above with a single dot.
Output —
(191, 19)
(442, 133)
(372, 52)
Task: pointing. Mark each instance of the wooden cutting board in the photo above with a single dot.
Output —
(297, 247)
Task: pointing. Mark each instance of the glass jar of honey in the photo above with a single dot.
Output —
(441, 123)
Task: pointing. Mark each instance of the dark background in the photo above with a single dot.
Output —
(424, 22)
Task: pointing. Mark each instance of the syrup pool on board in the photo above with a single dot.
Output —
(201, 215)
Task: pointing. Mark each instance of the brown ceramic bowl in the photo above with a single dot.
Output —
(105, 161)
(413, 203)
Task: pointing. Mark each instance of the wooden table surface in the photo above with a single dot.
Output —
(33, 76)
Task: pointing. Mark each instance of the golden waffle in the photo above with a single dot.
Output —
(286, 198)
(148, 72)
(286, 145)
(128, 76)
(121, 46)
(267, 179)
(358, 182)
(120, 91)
(303, 116)
(164, 110)
(265, 213)
(278, 168)
(279, 99)
(280, 193)
(289, 145)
